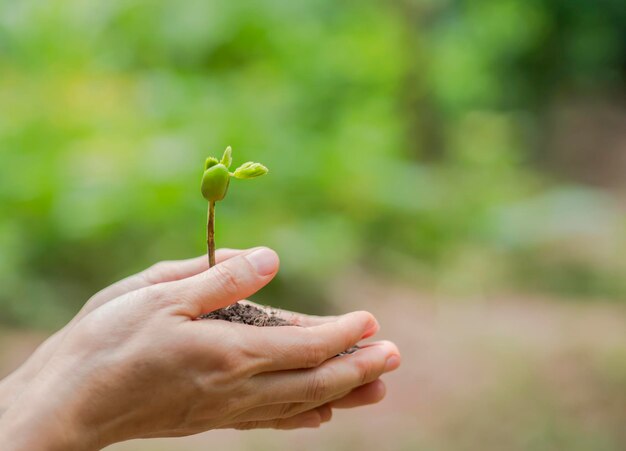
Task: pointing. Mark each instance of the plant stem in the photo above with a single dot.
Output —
(210, 234)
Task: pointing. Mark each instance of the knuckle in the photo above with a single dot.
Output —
(154, 274)
(155, 296)
(251, 360)
(235, 363)
(318, 388)
(226, 279)
(235, 366)
(365, 371)
(316, 351)
(198, 384)
(230, 363)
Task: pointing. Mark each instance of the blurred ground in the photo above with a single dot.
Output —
(506, 373)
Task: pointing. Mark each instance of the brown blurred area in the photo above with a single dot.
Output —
(512, 373)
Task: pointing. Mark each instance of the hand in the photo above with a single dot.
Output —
(370, 393)
(165, 271)
(141, 366)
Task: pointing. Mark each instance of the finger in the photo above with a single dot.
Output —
(361, 396)
(299, 319)
(222, 285)
(169, 270)
(309, 419)
(278, 411)
(335, 376)
(285, 348)
(164, 271)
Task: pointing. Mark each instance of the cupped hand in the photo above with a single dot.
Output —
(141, 365)
(165, 271)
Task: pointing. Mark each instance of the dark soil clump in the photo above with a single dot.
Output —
(246, 314)
(253, 316)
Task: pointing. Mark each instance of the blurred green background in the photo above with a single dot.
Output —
(464, 149)
(465, 146)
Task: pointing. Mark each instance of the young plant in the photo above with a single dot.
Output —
(215, 181)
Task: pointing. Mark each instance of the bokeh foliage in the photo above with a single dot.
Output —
(404, 136)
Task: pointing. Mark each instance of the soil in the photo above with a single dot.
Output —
(253, 316)
(247, 314)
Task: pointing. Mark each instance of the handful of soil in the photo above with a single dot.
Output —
(254, 316)
(246, 314)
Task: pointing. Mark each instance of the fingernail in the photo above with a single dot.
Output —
(371, 330)
(392, 363)
(264, 261)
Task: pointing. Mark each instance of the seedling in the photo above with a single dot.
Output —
(215, 181)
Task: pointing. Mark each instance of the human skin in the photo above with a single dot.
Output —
(135, 363)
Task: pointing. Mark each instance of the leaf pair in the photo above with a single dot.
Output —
(216, 177)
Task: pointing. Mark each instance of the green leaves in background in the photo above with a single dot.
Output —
(410, 137)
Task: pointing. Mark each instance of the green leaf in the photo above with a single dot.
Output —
(227, 158)
(250, 170)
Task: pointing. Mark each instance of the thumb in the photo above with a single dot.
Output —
(224, 284)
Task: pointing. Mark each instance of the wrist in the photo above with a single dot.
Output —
(13, 384)
(23, 430)
(42, 417)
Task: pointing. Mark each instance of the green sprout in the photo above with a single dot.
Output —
(215, 181)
